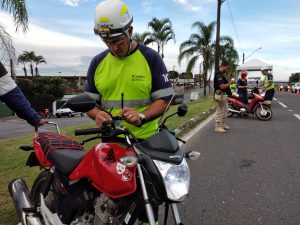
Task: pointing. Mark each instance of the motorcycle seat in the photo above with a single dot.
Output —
(65, 160)
(62, 151)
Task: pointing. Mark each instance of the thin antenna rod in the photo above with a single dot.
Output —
(166, 108)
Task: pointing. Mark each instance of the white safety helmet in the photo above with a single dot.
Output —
(264, 68)
(112, 18)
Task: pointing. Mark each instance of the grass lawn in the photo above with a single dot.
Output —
(12, 159)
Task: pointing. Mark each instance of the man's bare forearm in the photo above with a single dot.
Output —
(155, 109)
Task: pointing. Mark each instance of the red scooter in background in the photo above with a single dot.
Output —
(45, 113)
(255, 106)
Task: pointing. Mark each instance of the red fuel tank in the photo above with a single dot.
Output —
(101, 166)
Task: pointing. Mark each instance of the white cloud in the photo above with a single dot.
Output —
(70, 2)
(61, 51)
(146, 7)
(193, 5)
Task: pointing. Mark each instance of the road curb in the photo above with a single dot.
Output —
(193, 122)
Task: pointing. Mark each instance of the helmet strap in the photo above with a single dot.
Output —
(129, 47)
(130, 40)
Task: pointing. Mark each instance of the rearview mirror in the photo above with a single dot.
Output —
(81, 103)
(178, 99)
(182, 109)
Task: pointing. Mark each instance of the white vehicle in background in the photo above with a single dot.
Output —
(251, 83)
(295, 87)
(64, 111)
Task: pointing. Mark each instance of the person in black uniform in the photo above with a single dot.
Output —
(222, 91)
(13, 97)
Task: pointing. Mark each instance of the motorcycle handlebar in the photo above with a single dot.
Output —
(88, 131)
(107, 129)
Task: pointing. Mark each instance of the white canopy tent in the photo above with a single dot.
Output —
(254, 65)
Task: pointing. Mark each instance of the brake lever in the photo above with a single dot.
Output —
(181, 140)
(89, 139)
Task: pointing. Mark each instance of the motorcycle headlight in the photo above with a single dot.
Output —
(176, 179)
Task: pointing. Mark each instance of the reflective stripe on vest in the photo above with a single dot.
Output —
(126, 103)
(162, 93)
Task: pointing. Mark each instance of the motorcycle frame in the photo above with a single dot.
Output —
(252, 104)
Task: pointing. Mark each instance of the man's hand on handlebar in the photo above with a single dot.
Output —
(130, 116)
(101, 117)
(98, 115)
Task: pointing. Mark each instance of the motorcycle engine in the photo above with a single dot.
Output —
(105, 210)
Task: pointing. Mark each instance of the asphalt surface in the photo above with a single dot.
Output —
(15, 127)
(251, 174)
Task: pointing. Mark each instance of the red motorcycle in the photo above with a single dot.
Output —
(255, 106)
(115, 182)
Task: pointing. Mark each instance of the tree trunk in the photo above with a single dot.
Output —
(205, 84)
(31, 69)
(25, 71)
(158, 48)
(209, 83)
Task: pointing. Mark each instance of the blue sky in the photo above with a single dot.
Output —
(62, 30)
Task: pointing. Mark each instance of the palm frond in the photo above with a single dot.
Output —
(19, 12)
(191, 63)
(7, 50)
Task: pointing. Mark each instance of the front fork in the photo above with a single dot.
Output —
(176, 214)
(148, 206)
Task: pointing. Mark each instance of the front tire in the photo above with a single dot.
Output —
(263, 112)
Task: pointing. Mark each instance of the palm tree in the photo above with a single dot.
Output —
(37, 60)
(162, 32)
(18, 9)
(30, 56)
(228, 52)
(23, 59)
(139, 38)
(199, 47)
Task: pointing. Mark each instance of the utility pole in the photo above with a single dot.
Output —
(217, 52)
(243, 58)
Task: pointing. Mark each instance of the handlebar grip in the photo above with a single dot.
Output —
(87, 131)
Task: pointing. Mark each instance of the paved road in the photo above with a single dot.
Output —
(17, 127)
(251, 174)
